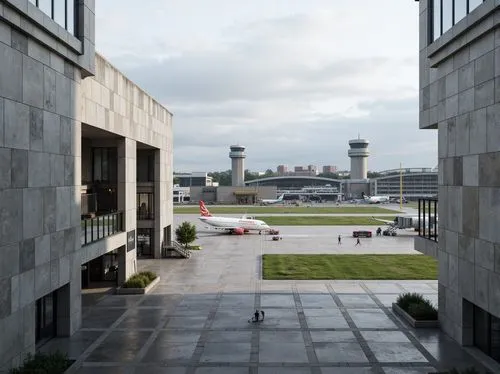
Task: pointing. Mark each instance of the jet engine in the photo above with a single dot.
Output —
(238, 231)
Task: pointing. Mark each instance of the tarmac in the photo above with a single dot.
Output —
(196, 320)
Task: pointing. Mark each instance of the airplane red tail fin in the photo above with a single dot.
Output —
(203, 210)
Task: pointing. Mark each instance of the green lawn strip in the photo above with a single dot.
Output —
(283, 210)
(414, 204)
(323, 220)
(362, 267)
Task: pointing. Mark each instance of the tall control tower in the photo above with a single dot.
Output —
(237, 156)
(359, 158)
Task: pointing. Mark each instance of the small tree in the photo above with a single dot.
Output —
(185, 233)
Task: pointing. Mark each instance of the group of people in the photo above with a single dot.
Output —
(257, 315)
(358, 242)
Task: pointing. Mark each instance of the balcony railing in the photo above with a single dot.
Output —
(145, 215)
(428, 218)
(97, 228)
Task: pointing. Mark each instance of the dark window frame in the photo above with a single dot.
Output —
(66, 23)
(430, 18)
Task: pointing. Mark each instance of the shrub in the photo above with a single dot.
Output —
(424, 311)
(134, 283)
(140, 280)
(149, 274)
(404, 300)
(54, 363)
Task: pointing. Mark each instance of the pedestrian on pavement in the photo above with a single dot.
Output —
(263, 314)
(340, 240)
(358, 242)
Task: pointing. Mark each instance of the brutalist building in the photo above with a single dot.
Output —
(85, 171)
(460, 97)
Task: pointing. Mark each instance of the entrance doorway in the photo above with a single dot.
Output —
(45, 324)
(145, 242)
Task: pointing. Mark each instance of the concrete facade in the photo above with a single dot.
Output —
(49, 101)
(237, 156)
(229, 194)
(359, 158)
(460, 97)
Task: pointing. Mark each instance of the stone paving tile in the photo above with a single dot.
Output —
(344, 370)
(396, 352)
(119, 346)
(352, 288)
(222, 370)
(400, 370)
(371, 318)
(103, 370)
(357, 301)
(102, 317)
(333, 337)
(160, 370)
(226, 352)
(316, 301)
(142, 318)
(387, 299)
(340, 352)
(284, 353)
(384, 337)
(284, 370)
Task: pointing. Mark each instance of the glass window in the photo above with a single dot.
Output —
(447, 11)
(46, 6)
(460, 10)
(473, 4)
(437, 19)
(60, 12)
(70, 21)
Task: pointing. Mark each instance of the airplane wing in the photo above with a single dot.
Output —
(384, 221)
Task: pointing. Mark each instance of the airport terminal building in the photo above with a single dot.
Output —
(460, 98)
(86, 171)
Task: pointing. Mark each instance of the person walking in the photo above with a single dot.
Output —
(358, 242)
(263, 314)
(340, 240)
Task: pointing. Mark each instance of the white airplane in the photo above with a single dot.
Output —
(232, 225)
(377, 199)
(272, 201)
(406, 222)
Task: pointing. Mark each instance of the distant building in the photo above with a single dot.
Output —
(329, 169)
(282, 170)
(194, 179)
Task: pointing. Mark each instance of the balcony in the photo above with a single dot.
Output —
(100, 227)
(428, 218)
(144, 215)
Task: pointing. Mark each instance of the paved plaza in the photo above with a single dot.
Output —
(196, 321)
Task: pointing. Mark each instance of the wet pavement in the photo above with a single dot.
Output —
(196, 321)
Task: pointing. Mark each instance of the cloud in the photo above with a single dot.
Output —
(293, 84)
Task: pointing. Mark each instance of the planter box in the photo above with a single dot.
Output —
(137, 291)
(412, 321)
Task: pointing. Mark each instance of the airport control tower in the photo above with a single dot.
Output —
(359, 158)
(237, 156)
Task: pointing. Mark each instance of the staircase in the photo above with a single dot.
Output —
(179, 249)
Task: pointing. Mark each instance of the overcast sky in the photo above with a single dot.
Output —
(291, 80)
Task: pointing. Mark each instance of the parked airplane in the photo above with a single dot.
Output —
(405, 222)
(232, 225)
(272, 201)
(377, 199)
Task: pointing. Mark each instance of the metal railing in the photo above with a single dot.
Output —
(145, 215)
(97, 228)
(428, 218)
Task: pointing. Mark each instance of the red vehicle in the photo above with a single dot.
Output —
(361, 234)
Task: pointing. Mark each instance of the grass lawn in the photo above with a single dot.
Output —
(323, 220)
(282, 209)
(389, 267)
